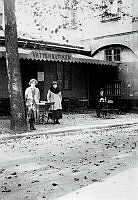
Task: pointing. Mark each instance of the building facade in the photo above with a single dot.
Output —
(110, 61)
(71, 66)
(114, 37)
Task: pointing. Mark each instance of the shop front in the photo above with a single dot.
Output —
(79, 76)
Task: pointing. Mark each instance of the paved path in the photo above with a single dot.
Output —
(123, 186)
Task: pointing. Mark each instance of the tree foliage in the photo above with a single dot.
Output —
(53, 19)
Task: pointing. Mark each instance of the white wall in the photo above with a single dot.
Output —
(126, 55)
(99, 55)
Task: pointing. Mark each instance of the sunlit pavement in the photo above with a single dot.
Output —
(123, 186)
(96, 158)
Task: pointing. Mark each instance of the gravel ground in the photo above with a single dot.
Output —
(71, 120)
(47, 167)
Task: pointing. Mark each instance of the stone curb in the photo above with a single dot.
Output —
(65, 131)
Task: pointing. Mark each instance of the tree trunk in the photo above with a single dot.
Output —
(17, 107)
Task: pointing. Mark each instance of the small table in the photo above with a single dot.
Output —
(43, 111)
(106, 107)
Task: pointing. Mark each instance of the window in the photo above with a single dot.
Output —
(111, 10)
(113, 88)
(116, 54)
(113, 54)
(67, 78)
(108, 54)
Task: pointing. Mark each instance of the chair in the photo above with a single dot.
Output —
(83, 105)
(104, 110)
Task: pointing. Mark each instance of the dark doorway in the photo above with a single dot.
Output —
(98, 77)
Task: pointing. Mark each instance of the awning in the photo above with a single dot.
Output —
(57, 56)
(89, 60)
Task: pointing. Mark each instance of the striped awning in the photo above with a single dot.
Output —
(44, 55)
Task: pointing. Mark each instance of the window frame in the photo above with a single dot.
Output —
(114, 56)
(117, 55)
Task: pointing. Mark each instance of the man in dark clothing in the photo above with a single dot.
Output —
(101, 103)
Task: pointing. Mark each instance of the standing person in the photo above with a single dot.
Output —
(101, 100)
(54, 95)
(32, 98)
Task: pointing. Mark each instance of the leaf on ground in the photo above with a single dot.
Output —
(112, 169)
(75, 170)
(1, 171)
(96, 164)
(54, 184)
(94, 180)
(101, 161)
(5, 189)
(13, 173)
(35, 181)
(9, 177)
(76, 179)
(107, 173)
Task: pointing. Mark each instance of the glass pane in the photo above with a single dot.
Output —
(117, 54)
(108, 54)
